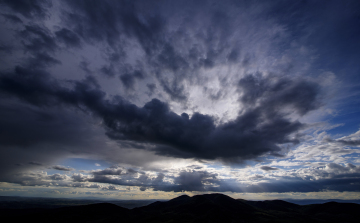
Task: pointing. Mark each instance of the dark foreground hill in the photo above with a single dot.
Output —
(200, 208)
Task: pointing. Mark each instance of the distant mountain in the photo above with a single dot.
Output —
(199, 208)
(273, 205)
(12, 202)
(319, 201)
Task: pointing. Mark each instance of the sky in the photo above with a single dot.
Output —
(155, 99)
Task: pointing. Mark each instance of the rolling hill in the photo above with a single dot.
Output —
(199, 208)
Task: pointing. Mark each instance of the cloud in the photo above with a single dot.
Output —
(274, 93)
(38, 39)
(177, 54)
(57, 177)
(69, 38)
(35, 163)
(108, 71)
(128, 79)
(268, 168)
(32, 134)
(36, 8)
(185, 81)
(185, 180)
(111, 187)
(12, 18)
(194, 180)
(42, 60)
(110, 171)
(109, 20)
(314, 179)
(257, 131)
(62, 168)
(321, 147)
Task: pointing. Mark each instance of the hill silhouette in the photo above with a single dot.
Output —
(199, 208)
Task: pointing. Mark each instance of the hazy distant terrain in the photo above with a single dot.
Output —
(318, 201)
(7, 202)
(199, 208)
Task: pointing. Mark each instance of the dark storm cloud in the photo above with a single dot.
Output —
(26, 126)
(170, 55)
(268, 168)
(151, 88)
(110, 171)
(69, 38)
(169, 58)
(108, 20)
(274, 92)
(29, 9)
(34, 134)
(42, 60)
(128, 79)
(12, 18)
(37, 39)
(119, 23)
(6, 48)
(35, 163)
(108, 70)
(112, 21)
(331, 37)
(84, 65)
(233, 56)
(255, 132)
(62, 168)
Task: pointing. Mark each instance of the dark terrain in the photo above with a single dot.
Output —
(7, 202)
(200, 208)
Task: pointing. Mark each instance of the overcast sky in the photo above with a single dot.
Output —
(153, 99)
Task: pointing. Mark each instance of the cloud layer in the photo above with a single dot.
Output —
(153, 87)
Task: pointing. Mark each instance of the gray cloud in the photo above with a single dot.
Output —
(268, 168)
(62, 168)
(128, 79)
(36, 8)
(186, 181)
(34, 163)
(346, 142)
(38, 39)
(273, 93)
(69, 38)
(33, 134)
(335, 177)
(255, 57)
(111, 171)
(108, 70)
(255, 132)
(12, 18)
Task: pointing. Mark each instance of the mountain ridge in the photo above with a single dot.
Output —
(198, 208)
